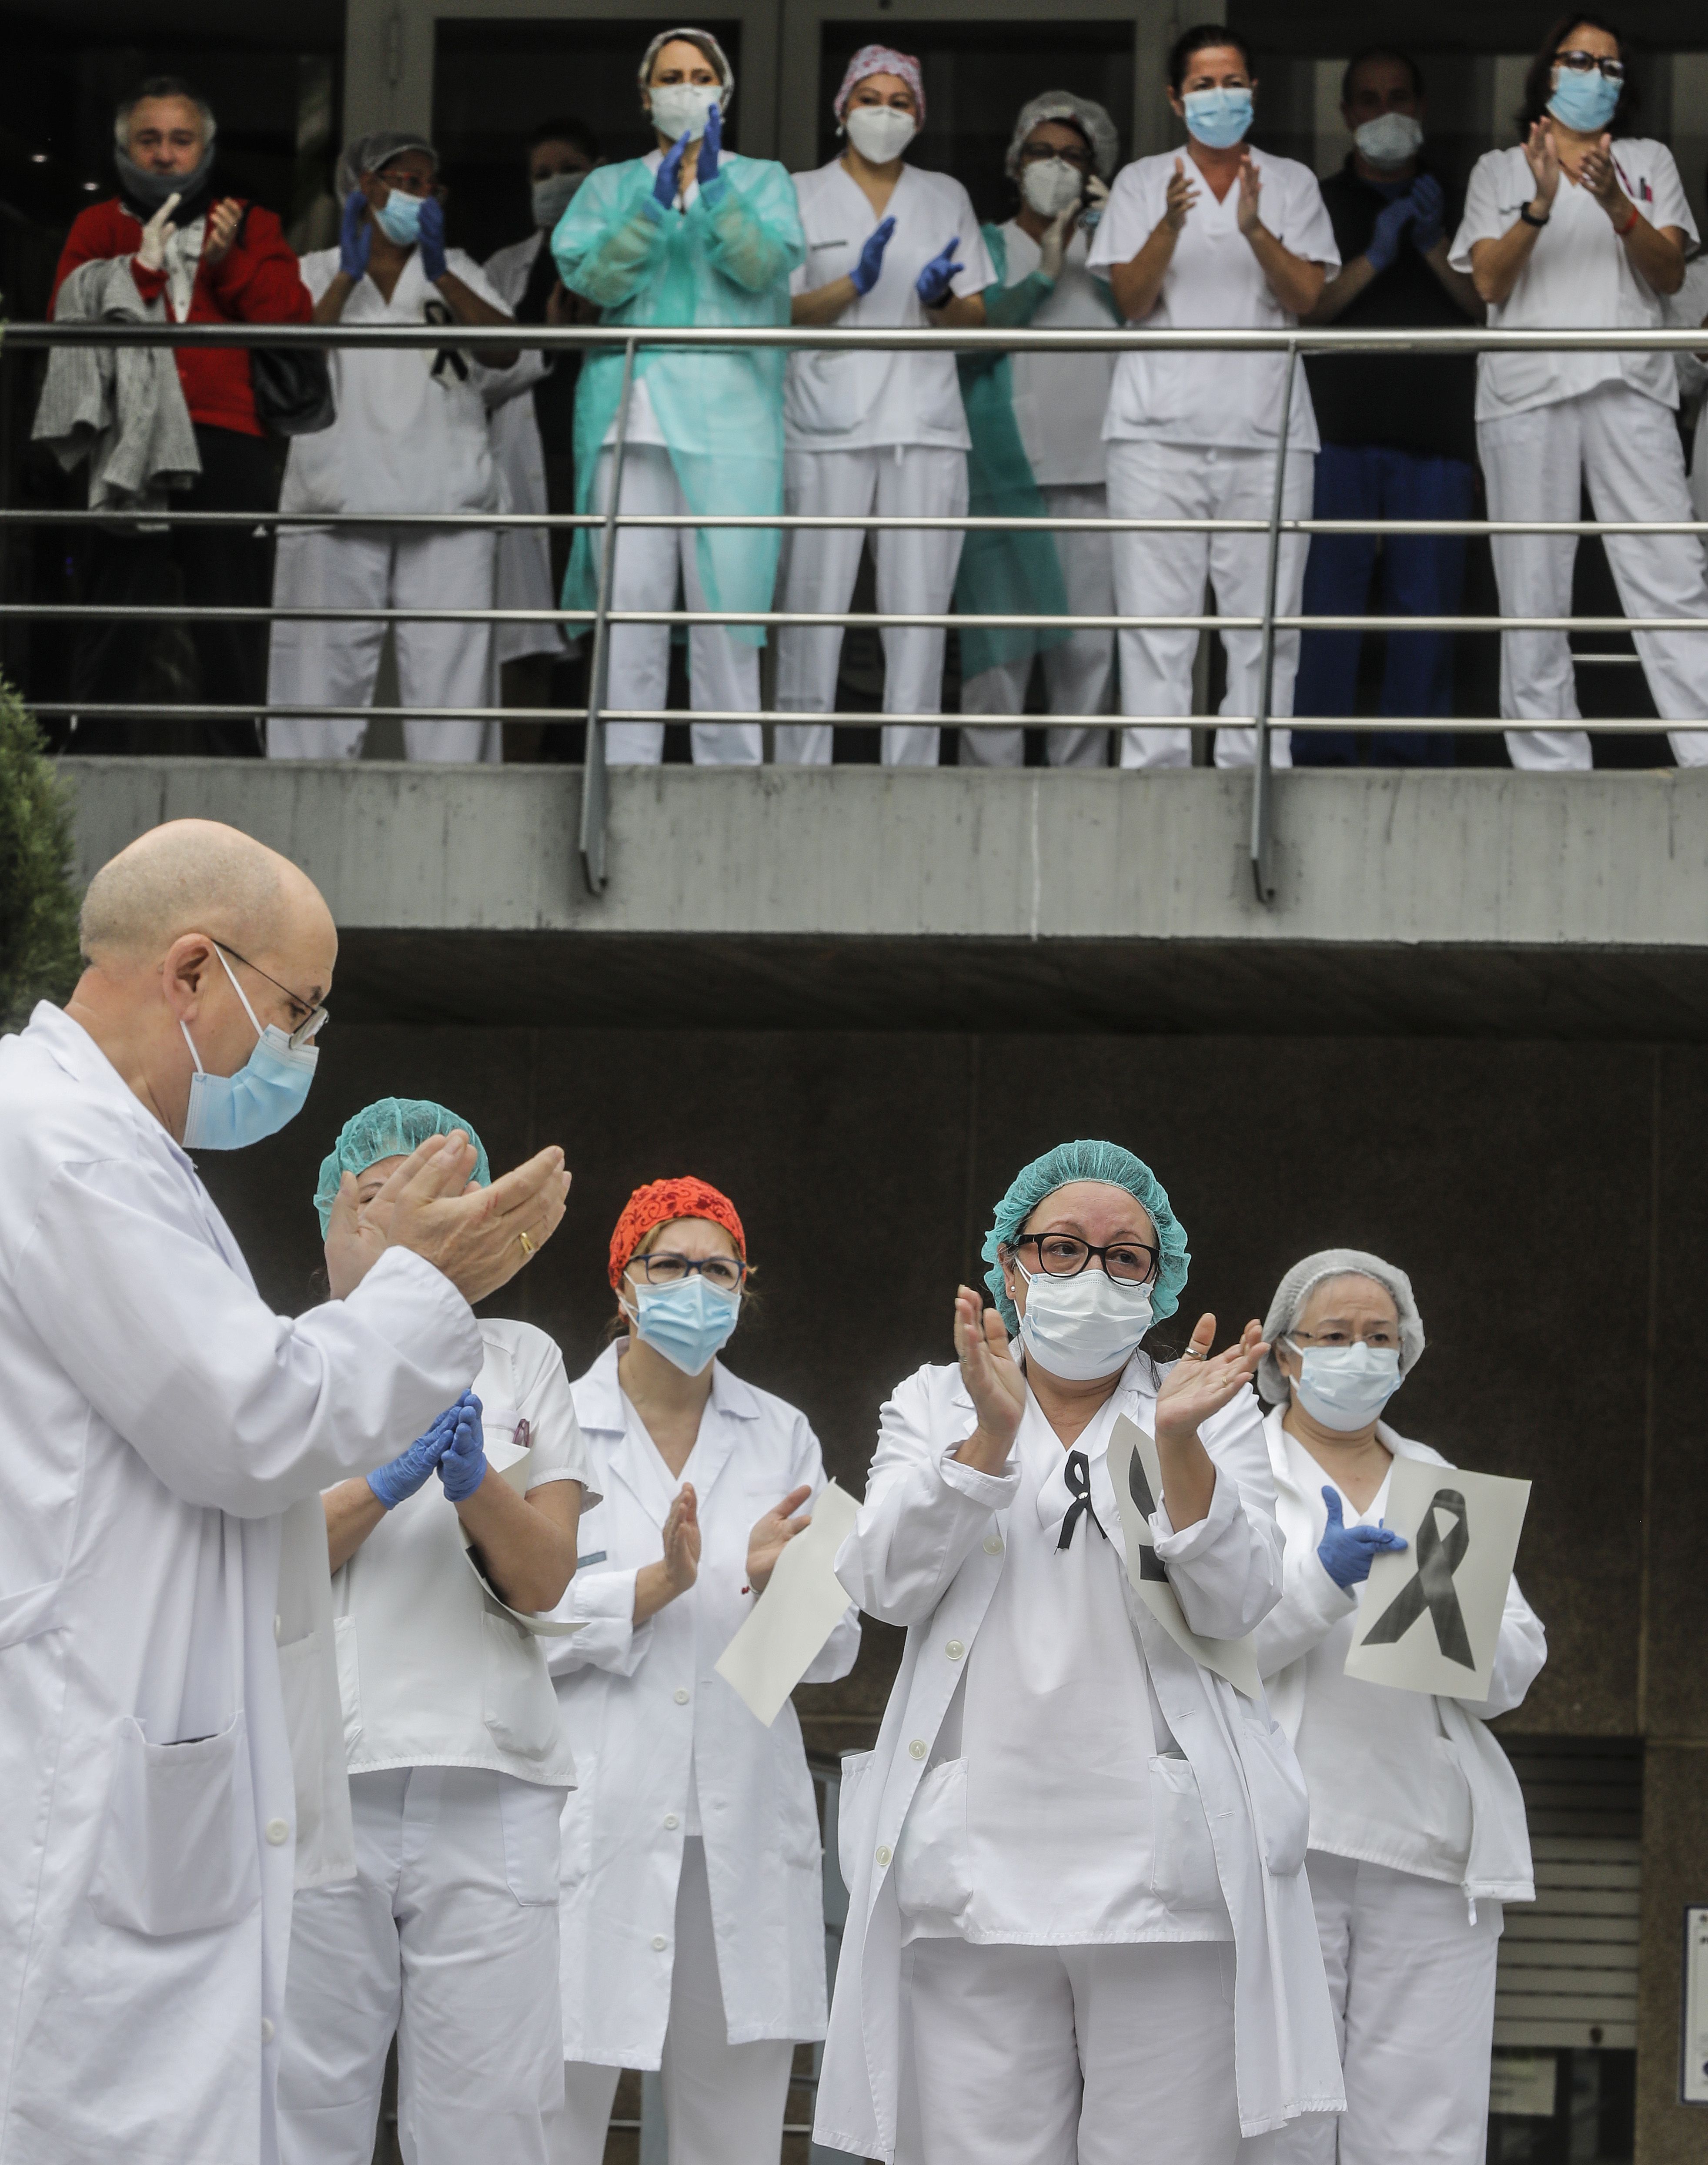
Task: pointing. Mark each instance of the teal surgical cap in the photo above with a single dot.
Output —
(1087, 1161)
(390, 1127)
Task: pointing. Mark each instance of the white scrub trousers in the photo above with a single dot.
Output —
(1411, 1984)
(1163, 575)
(916, 577)
(1079, 677)
(723, 2102)
(1626, 447)
(1075, 2055)
(334, 664)
(723, 674)
(448, 1935)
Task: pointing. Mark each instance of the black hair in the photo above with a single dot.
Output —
(1198, 39)
(1538, 83)
(565, 128)
(1381, 53)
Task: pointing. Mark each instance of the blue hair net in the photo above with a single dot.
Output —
(390, 1127)
(1089, 1160)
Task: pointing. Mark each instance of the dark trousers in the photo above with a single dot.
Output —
(1423, 575)
(210, 567)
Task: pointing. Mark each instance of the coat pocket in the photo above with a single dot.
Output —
(1182, 1860)
(528, 1813)
(177, 1850)
(1278, 1797)
(350, 1678)
(517, 1703)
(852, 1832)
(932, 1874)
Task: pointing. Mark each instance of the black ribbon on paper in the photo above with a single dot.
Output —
(1439, 1557)
(1150, 1564)
(1079, 1480)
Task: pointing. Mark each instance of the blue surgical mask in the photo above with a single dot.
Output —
(1586, 103)
(399, 218)
(689, 1322)
(1218, 117)
(1346, 1387)
(229, 1112)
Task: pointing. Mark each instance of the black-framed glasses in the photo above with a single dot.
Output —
(1577, 63)
(313, 1016)
(1030, 153)
(1064, 1256)
(724, 1273)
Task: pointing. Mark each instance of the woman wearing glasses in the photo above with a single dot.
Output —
(1417, 1827)
(693, 1914)
(1583, 226)
(1048, 1955)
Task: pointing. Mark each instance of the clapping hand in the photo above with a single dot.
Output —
(1052, 248)
(478, 1237)
(710, 143)
(771, 1535)
(933, 283)
(1430, 205)
(355, 237)
(158, 230)
(866, 273)
(223, 222)
(462, 1466)
(993, 1382)
(409, 1471)
(1182, 194)
(1347, 1553)
(430, 238)
(681, 1558)
(1249, 211)
(1543, 160)
(1201, 1385)
(668, 180)
(1600, 177)
(1391, 223)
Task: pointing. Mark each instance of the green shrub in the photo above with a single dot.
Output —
(37, 902)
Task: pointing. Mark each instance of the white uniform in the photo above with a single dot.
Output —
(1417, 1839)
(1688, 310)
(693, 1916)
(1193, 435)
(1059, 401)
(1550, 423)
(158, 1683)
(1065, 1962)
(458, 1763)
(523, 578)
(882, 433)
(411, 435)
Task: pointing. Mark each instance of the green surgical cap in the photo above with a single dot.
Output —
(390, 1127)
(1087, 1161)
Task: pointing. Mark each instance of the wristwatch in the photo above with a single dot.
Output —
(1524, 213)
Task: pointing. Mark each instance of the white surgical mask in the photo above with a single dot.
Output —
(880, 132)
(1346, 1387)
(1051, 186)
(551, 198)
(1083, 1327)
(1389, 140)
(680, 109)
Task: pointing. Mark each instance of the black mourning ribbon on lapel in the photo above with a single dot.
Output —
(1150, 1564)
(448, 357)
(1439, 1557)
(1078, 1474)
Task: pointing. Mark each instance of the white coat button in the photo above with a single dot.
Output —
(671, 1821)
(658, 1943)
(266, 2031)
(883, 1853)
(278, 1831)
(681, 1696)
(954, 1649)
(916, 1748)
(993, 1545)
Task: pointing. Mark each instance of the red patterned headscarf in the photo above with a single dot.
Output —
(881, 59)
(661, 1202)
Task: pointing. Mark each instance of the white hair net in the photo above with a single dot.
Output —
(1293, 1290)
(369, 153)
(709, 45)
(1084, 113)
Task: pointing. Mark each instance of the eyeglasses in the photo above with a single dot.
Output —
(1586, 63)
(724, 1273)
(1064, 1256)
(1030, 152)
(312, 1017)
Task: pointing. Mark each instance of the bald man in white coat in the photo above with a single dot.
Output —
(168, 1749)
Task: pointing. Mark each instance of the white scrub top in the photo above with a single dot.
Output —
(1060, 399)
(1579, 277)
(1213, 281)
(432, 1671)
(853, 402)
(411, 433)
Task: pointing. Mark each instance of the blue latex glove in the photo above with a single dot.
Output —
(432, 240)
(463, 1466)
(409, 1470)
(664, 188)
(1347, 1553)
(1431, 205)
(355, 236)
(1390, 226)
(933, 283)
(710, 143)
(864, 274)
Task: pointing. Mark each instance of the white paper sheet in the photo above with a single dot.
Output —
(1232, 1658)
(802, 1603)
(1446, 1644)
(514, 1470)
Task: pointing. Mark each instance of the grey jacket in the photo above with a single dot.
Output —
(120, 408)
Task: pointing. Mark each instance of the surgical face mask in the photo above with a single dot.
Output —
(1389, 140)
(1218, 117)
(1346, 1387)
(681, 108)
(399, 216)
(1051, 186)
(551, 198)
(144, 186)
(229, 1112)
(880, 132)
(1586, 101)
(689, 1322)
(1084, 1327)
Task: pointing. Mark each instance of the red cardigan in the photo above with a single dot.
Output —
(257, 280)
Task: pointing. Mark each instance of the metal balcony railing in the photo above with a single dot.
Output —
(597, 712)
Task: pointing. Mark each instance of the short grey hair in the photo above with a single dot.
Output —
(1295, 1289)
(163, 86)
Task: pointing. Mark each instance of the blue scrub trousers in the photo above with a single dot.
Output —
(1423, 575)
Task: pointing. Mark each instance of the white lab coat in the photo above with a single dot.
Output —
(524, 579)
(1311, 1604)
(658, 1736)
(929, 1555)
(159, 1420)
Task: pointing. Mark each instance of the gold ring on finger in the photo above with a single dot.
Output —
(527, 1243)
